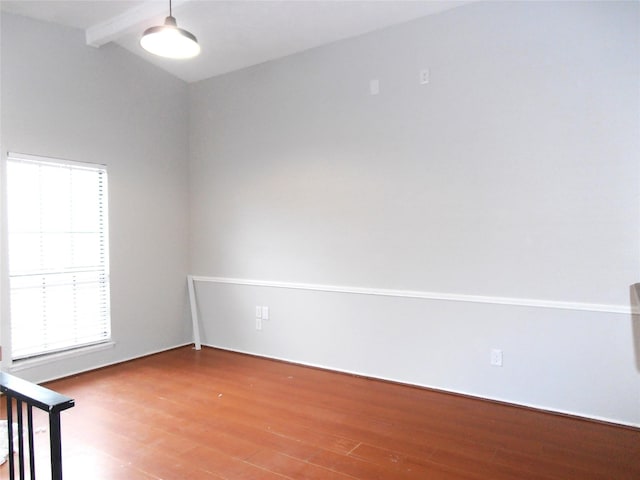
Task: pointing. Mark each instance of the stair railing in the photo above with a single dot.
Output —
(20, 393)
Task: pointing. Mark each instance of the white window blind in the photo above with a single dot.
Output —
(58, 255)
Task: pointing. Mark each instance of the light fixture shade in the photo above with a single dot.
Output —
(170, 41)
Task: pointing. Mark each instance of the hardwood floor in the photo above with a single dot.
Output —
(213, 414)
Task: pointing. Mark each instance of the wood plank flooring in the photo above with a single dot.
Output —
(214, 415)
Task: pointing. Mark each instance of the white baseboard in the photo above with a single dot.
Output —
(108, 364)
(505, 401)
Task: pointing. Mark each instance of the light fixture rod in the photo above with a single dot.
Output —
(127, 22)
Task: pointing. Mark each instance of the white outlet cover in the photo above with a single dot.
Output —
(424, 76)
(496, 357)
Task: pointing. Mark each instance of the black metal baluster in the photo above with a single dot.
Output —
(20, 439)
(10, 433)
(56, 445)
(32, 459)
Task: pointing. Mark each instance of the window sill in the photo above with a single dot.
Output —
(27, 363)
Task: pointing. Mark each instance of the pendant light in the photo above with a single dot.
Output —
(170, 41)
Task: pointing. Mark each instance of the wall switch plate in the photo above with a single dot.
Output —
(265, 313)
(258, 324)
(374, 86)
(496, 357)
(258, 312)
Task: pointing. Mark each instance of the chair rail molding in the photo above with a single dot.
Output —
(452, 297)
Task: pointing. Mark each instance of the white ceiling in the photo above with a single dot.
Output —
(233, 34)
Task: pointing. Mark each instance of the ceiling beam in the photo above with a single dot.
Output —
(128, 21)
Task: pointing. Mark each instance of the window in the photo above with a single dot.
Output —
(58, 255)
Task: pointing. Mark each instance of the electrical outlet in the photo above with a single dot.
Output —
(424, 76)
(496, 357)
(258, 311)
(258, 324)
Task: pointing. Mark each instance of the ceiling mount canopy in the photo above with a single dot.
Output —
(170, 41)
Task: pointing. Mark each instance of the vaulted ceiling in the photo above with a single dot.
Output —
(233, 34)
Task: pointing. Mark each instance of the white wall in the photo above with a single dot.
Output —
(512, 175)
(63, 99)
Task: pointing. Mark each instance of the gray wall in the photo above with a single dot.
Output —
(508, 188)
(63, 99)
(512, 177)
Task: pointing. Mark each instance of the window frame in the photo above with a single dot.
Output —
(6, 337)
